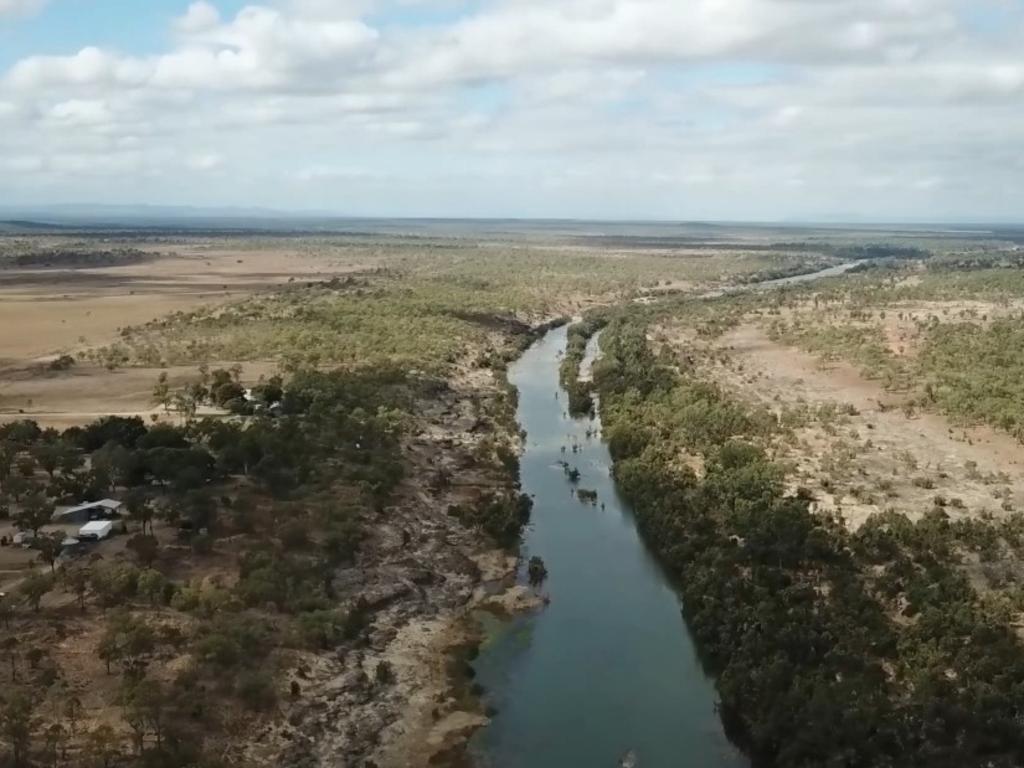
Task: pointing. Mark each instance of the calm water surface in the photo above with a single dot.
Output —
(609, 665)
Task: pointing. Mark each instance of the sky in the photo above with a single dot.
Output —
(766, 110)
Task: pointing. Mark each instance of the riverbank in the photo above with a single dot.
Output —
(603, 669)
(431, 564)
(870, 647)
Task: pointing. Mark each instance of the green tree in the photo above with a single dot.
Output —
(54, 744)
(7, 454)
(34, 655)
(71, 461)
(113, 583)
(48, 456)
(6, 611)
(152, 586)
(108, 650)
(36, 512)
(140, 509)
(9, 645)
(17, 725)
(49, 547)
(72, 710)
(162, 392)
(537, 572)
(256, 690)
(385, 673)
(18, 486)
(76, 581)
(102, 746)
(127, 640)
(34, 587)
(146, 705)
(145, 548)
(185, 404)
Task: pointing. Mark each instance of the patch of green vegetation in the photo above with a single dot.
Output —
(350, 322)
(70, 257)
(500, 516)
(289, 490)
(421, 307)
(794, 615)
(578, 336)
(862, 344)
(974, 372)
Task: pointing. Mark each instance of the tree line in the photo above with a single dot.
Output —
(828, 647)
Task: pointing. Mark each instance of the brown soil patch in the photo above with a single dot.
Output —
(47, 312)
(864, 453)
(87, 392)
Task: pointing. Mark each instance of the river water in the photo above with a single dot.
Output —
(608, 667)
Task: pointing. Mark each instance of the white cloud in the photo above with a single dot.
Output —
(326, 173)
(787, 115)
(622, 107)
(23, 164)
(78, 113)
(199, 17)
(205, 161)
(927, 184)
(19, 7)
(260, 48)
(90, 67)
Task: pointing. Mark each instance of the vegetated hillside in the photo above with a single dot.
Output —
(828, 647)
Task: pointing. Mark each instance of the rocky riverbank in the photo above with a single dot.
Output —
(404, 697)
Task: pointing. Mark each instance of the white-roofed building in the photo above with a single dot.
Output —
(105, 509)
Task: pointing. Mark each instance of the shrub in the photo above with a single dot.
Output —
(257, 691)
(321, 630)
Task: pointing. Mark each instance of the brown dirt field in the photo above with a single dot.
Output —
(46, 312)
(876, 457)
(87, 392)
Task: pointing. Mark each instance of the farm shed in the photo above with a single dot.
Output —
(105, 509)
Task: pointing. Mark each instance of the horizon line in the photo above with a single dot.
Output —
(95, 214)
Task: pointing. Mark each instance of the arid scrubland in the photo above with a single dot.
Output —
(857, 436)
(315, 446)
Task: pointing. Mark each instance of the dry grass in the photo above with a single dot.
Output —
(45, 313)
(876, 455)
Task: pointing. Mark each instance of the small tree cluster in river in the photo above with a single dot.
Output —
(578, 336)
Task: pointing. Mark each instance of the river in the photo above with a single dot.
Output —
(609, 666)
